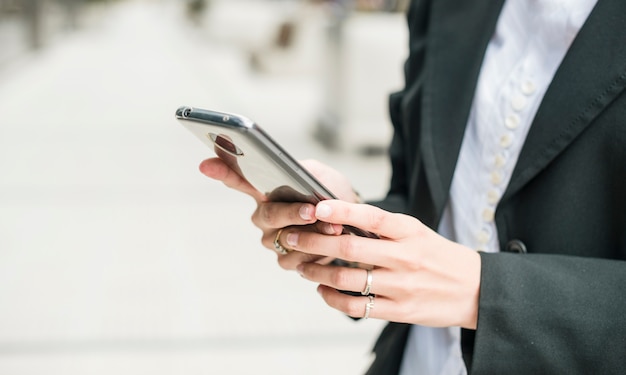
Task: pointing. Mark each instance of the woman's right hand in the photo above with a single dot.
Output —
(271, 217)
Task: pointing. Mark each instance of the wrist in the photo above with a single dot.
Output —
(470, 320)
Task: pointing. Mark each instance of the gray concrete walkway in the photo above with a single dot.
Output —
(116, 255)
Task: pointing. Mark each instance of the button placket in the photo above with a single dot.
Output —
(493, 196)
(500, 159)
(488, 215)
(518, 103)
(506, 140)
(484, 235)
(528, 87)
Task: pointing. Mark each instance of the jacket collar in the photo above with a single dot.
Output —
(590, 76)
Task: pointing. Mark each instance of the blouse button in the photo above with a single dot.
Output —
(483, 236)
(488, 215)
(493, 197)
(506, 140)
(496, 178)
(499, 160)
(511, 122)
(528, 87)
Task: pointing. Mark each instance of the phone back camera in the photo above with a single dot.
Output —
(225, 144)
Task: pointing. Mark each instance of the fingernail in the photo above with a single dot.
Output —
(323, 210)
(305, 212)
(292, 239)
(300, 268)
(328, 228)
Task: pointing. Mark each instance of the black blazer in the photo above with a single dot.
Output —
(558, 305)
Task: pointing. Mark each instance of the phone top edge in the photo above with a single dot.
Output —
(279, 155)
(229, 119)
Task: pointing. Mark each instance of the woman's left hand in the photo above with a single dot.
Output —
(419, 277)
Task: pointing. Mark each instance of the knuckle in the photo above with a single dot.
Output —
(353, 307)
(284, 263)
(348, 247)
(274, 215)
(294, 213)
(420, 230)
(255, 218)
(267, 215)
(304, 240)
(341, 278)
(376, 220)
(403, 309)
(417, 261)
(346, 211)
(290, 261)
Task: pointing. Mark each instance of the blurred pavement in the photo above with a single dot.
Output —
(116, 255)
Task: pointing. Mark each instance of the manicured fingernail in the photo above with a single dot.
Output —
(305, 212)
(323, 210)
(292, 239)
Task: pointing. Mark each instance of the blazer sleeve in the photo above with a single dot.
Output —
(551, 314)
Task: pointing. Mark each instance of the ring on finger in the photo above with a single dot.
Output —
(368, 283)
(280, 249)
(369, 306)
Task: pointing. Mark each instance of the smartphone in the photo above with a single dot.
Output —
(254, 155)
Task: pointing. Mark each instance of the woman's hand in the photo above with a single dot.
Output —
(270, 217)
(419, 277)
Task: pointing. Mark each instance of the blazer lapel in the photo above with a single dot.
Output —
(389, 349)
(590, 76)
(459, 35)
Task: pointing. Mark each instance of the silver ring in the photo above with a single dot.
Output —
(279, 248)
(368, 283)
(369, 306)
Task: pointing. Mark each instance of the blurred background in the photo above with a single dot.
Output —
(116, 255)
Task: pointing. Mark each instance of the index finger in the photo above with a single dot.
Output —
(273, 215)
(367, 217)
(217, 169)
